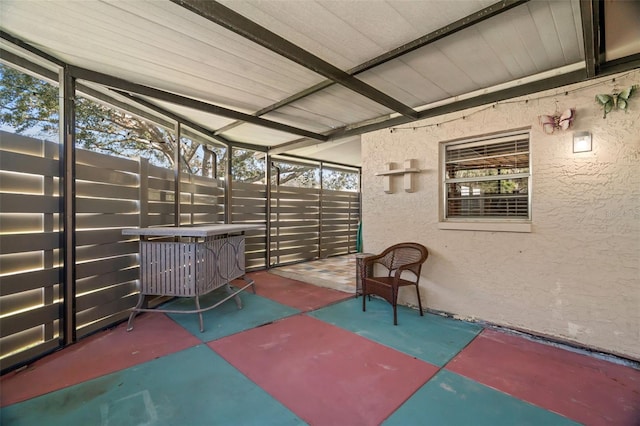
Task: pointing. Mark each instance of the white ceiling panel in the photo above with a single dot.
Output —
(426, 16)
(161, 45)
(401, 82)
(258, 135)
(521, 42)
(541, 35)
(311, 26)
(468, 51)
(295, 116)
(344, 151)
(201, 51)
(570, 36)
(512, 52)
(341, 104)
(208, 121)
(409, 84)
(439, 72)
(348, 33)
(376, 22)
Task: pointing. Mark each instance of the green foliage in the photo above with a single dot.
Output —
(303, 176)
(31, 105)
(26, 102)
(296, 175)
(111, 131)
(247, 166)
(338, 180)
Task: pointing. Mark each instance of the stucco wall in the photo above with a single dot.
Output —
(576, 276)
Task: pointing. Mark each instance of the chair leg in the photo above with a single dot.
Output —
(395, 305)
(364, 298)
(419, 301)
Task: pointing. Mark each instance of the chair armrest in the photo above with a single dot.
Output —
(371, 259)
(403, 268)
(368, 265)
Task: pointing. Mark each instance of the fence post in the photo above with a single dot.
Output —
(349, 229)
(177, 174)
(268, 209)
(68, 158)
(320, 212)
(143, 194)
(48, 151)
(228, 189)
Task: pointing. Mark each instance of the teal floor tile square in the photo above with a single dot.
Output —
(227, 319)
(450, 399)
(192, 387)
(431, 338)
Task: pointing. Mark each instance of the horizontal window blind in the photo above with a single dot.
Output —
(488, 178)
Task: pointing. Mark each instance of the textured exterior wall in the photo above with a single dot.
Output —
(576, 276)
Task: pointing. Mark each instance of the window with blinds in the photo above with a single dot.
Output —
(488, 178)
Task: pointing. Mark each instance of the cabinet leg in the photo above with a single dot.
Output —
(250, 281)
(134, 311)
(199, 314)
(236, 297)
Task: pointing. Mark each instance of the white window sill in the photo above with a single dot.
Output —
(486, 226)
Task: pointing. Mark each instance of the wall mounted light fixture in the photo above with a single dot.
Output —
(582, 142)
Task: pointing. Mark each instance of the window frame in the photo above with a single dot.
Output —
(487, 223)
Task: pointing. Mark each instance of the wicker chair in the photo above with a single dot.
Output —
(399, 258)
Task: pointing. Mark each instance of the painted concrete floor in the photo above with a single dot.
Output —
(302, 354)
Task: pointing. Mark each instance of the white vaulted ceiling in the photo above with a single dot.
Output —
(394, 47)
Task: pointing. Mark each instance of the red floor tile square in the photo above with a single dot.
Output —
(583, 388)
(326, 375)
(302, 296)
(154, 335)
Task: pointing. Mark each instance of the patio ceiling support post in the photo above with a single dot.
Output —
(359, 243)
(277, 183)
(593, 35)
(68, 156)
(268, 209)
(177, 173)
(228, 186)
(143, 192)
(320, 213)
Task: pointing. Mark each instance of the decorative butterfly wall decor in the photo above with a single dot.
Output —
(616, 100)
(559, 121)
